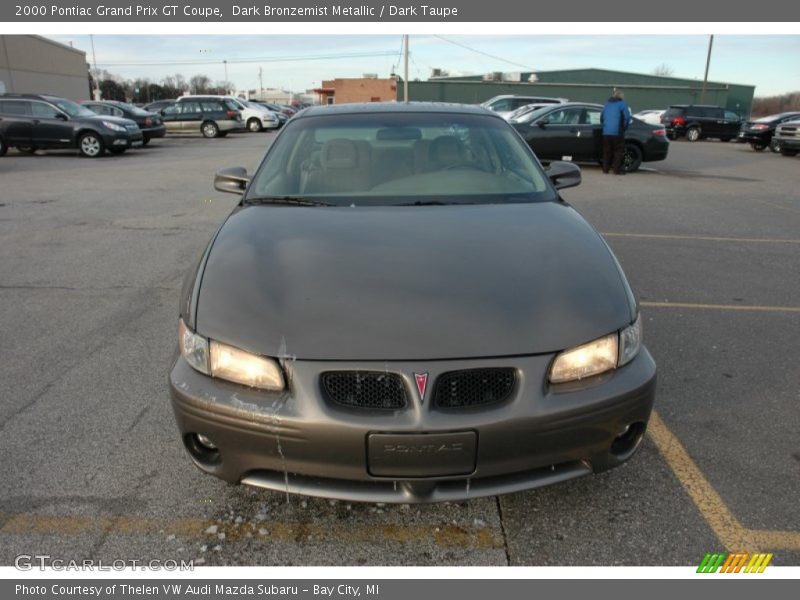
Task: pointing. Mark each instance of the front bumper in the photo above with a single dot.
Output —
(299, 443)
(155, 132)
(123, 139)
(789, 143)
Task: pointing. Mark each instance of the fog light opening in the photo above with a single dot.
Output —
(202, 449)
(627, 441)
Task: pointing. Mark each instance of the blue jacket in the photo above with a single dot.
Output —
(616, 117)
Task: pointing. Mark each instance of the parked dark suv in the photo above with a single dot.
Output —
(696, 121)
(30, 122)
(149, 122)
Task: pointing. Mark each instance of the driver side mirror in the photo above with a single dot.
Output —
(543, 123)
(233, 180)
(61, 116)
(563, 174)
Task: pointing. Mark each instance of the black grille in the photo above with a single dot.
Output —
(364, 389)
(473, 387)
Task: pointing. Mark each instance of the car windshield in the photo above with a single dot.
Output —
(71, 108)
(134, 110)
(532, 115)
(403, 158)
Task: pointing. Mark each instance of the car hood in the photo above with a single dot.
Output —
(124, 122)
(410, 283)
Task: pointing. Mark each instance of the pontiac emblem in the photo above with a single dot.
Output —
(422, 383)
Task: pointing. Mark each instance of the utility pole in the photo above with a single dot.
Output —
(261, 83)
(96, 74)
(708, 62)
(225, 62)
(405, 69)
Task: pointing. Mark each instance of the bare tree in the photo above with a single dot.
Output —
(664, 70)
(199, 84)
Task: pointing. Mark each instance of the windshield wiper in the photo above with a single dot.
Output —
(429, 203)
(293, 200)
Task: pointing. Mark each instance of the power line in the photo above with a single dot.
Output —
(249, 60)
(500, 58)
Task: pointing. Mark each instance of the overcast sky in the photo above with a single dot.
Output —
(301, 62)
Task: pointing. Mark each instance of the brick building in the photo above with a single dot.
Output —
(369, 88)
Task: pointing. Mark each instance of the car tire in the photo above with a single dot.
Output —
(145, 141)
(254, 125)
(693, 134)
(27, 149)
(788, 152)
(209, 129)
(3, 147)
(775, 146)
(758, 146)
(631, 158)
(91, 145)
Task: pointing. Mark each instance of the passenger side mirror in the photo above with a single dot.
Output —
(563, 174)
(233, 180)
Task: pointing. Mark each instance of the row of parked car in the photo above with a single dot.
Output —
(695, 122)
(778, 132)
(30, 122)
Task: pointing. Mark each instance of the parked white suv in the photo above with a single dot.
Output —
(255, 116)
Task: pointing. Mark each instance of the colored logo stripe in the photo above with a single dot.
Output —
(734, 562)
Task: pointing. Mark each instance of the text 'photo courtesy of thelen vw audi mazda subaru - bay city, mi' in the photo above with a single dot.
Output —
(402, 308)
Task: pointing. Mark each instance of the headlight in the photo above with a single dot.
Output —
(584, 361)
(599, 356)
(226, 362)
(113, 126)
(242, 367)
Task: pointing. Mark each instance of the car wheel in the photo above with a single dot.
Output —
(3, 147)
(693, 134)
(145, 141)
(91, 145)
(632, 158)
(787, 152)
(775, 146)
(254, 125)
(27, 149)
(758, 146)
(117, 150)
(209, 129)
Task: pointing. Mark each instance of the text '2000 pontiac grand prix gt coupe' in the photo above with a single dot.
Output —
(402, 309)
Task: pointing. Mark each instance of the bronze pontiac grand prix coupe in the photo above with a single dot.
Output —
(403, 309)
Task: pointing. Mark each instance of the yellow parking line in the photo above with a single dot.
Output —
(704, 238)
(740, 307)
(447, 536)
(731, 533)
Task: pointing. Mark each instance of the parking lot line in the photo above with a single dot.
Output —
(730, 532)
(448, 536)
(742, 307)
(702, 238)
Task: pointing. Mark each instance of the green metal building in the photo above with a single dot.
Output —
(642, 91)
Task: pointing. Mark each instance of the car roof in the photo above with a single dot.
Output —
(396, 107)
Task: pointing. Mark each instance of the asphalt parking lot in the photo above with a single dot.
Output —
(93, 254)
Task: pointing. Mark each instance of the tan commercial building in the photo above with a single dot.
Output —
(363, 89)
(31, 64)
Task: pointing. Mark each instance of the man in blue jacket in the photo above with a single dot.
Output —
(615, 119)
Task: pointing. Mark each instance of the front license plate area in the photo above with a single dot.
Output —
(411, 455)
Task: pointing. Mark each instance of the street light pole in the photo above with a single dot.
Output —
(708, 62)
(405, 70)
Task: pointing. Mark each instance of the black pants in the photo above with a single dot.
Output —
(613, 149)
